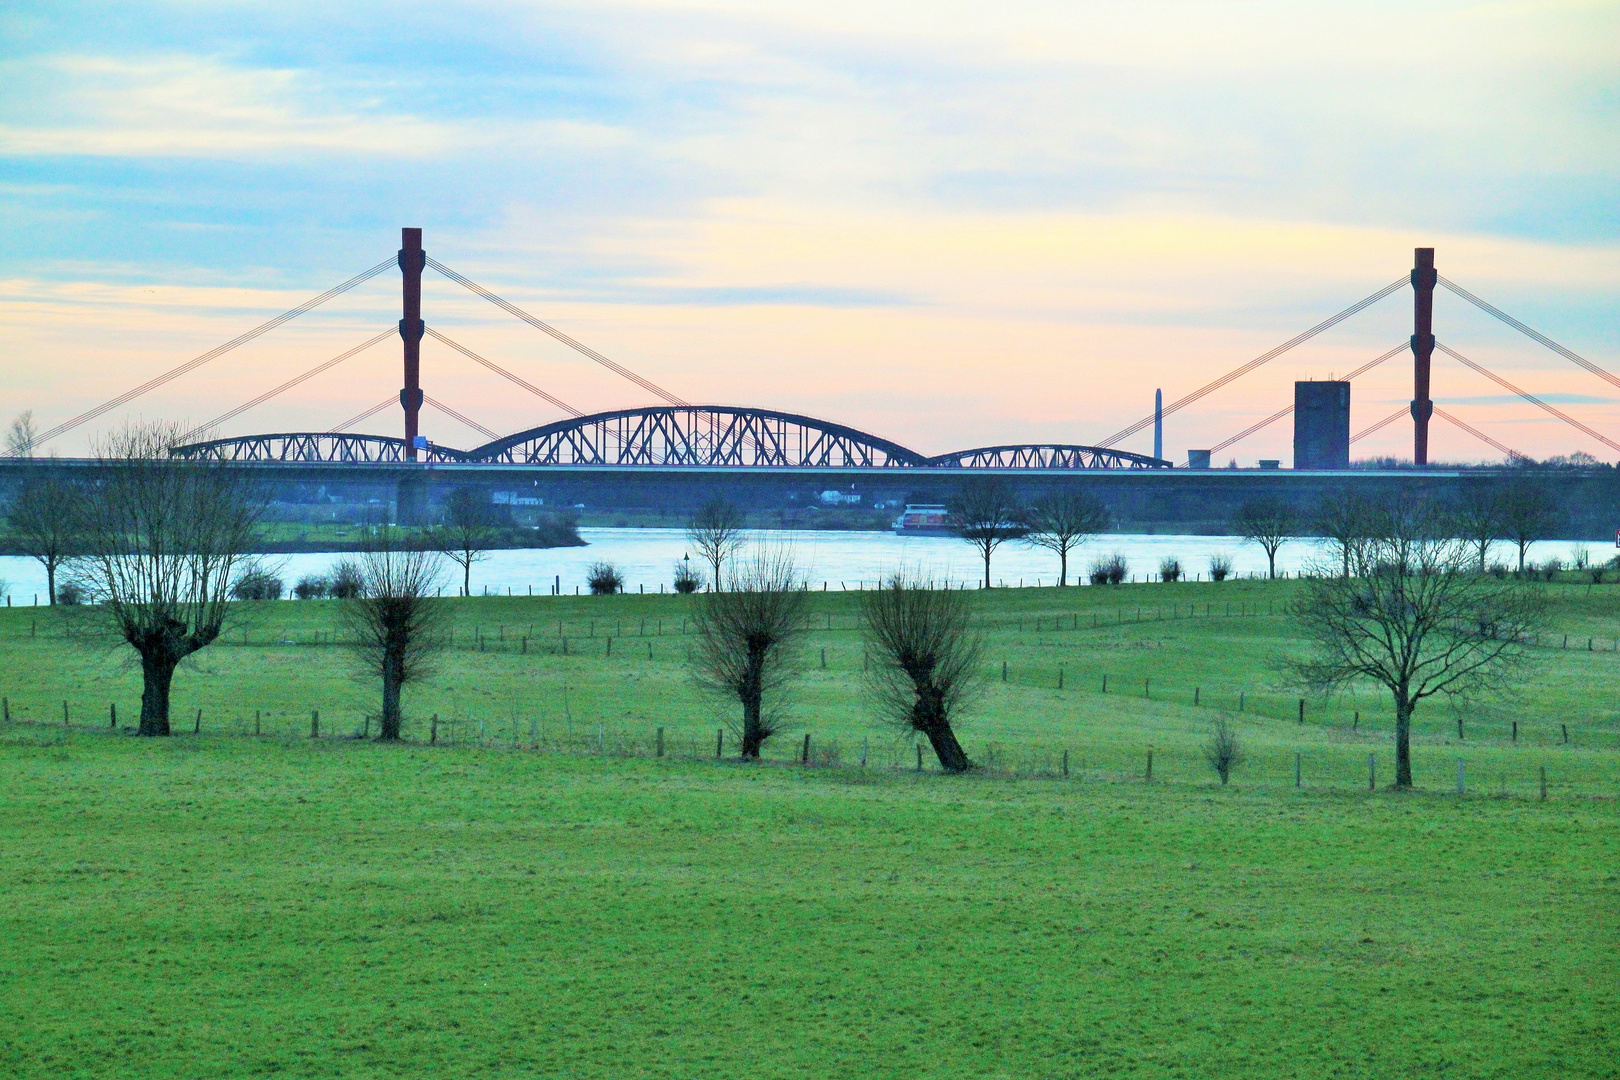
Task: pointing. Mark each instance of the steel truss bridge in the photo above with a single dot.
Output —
(679, 434)
(669, 435)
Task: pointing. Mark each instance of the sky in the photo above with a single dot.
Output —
(950, 224)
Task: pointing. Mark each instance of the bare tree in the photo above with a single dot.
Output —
(43, 522)
(716, 530)
(1479, 516)
(396, 623)
(1528, 514)
(927, 656)
(1061, 521)
(467, 532)
(22, 436)
(1223, 751)
(983, 513)
(159, 543)
(746, 635)
(1268, 522)
(1343, 520)
(1414, 618)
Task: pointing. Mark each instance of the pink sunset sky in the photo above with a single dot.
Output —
(948, 224)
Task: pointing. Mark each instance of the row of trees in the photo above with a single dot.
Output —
(923, 647)
(161, 546)
(1520, 513)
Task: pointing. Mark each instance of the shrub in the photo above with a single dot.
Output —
(257, 585)
(1222, 750)
(1499, 571)
(70, 593)
(687, 580)
(1220, 565)
(603, 578)
(1109, 571)
(1581, 558)
(312, 587)
(1597, 575)
(1552, 568)
(347, 582)
(1170, 569)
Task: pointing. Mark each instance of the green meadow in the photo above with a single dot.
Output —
(525, 887)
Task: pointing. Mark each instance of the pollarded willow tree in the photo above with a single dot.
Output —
(927, 653)
(1268, 522)
(1414, 617)
(747, 635)
(160, 542)
(43, 522)
(395, 621)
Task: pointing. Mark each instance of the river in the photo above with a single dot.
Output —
(835, 560)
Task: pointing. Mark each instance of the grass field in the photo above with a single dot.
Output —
(222, 905)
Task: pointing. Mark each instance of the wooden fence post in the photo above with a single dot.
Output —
(1302, 710)
(804, 758)
(1459, 776)
(1372, 772)
(1515, 731)
(255, 721)
(1004, 671)
(1298, 767)
(1197, 690)
(112, 714)
(919, 757)
(314, 723)
(1544, 783)
(1149, 778)
(1065, 763)
(196, 729)
(64, 714)
(719, 741)
(433, 730)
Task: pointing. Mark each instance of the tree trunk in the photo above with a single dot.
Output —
(50, 587)
(952, 758)
(1063, 567)
(714, 585)
(1522, 545)
(157, 675)
(1271, 560)
(987, 568)
(466, 578)
(753, 734)
(393, 678)
(1403, 742)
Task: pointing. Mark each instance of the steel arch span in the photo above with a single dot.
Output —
(713, 435)
(1046, 456)
(308, 446)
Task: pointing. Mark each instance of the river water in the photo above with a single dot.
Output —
(836, 560)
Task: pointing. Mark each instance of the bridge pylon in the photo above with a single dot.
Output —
(412, 261)
(1424, 277)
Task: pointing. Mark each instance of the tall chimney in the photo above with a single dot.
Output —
(1158, 423)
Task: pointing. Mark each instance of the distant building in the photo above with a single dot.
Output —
(1321, 425)
(840, 498)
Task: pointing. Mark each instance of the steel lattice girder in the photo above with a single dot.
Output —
(673, 435)
(1046, 456)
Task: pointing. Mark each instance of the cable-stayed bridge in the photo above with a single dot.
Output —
(677, 434)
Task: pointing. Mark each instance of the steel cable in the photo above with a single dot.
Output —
(452, 414)
(1534, 335)
(1385, 422)
(1475, 432)
(1531, 398)
(213, 354)
(367, 415)
(503, 373)
(288, 385)
(1263, 358)
(579, 347)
